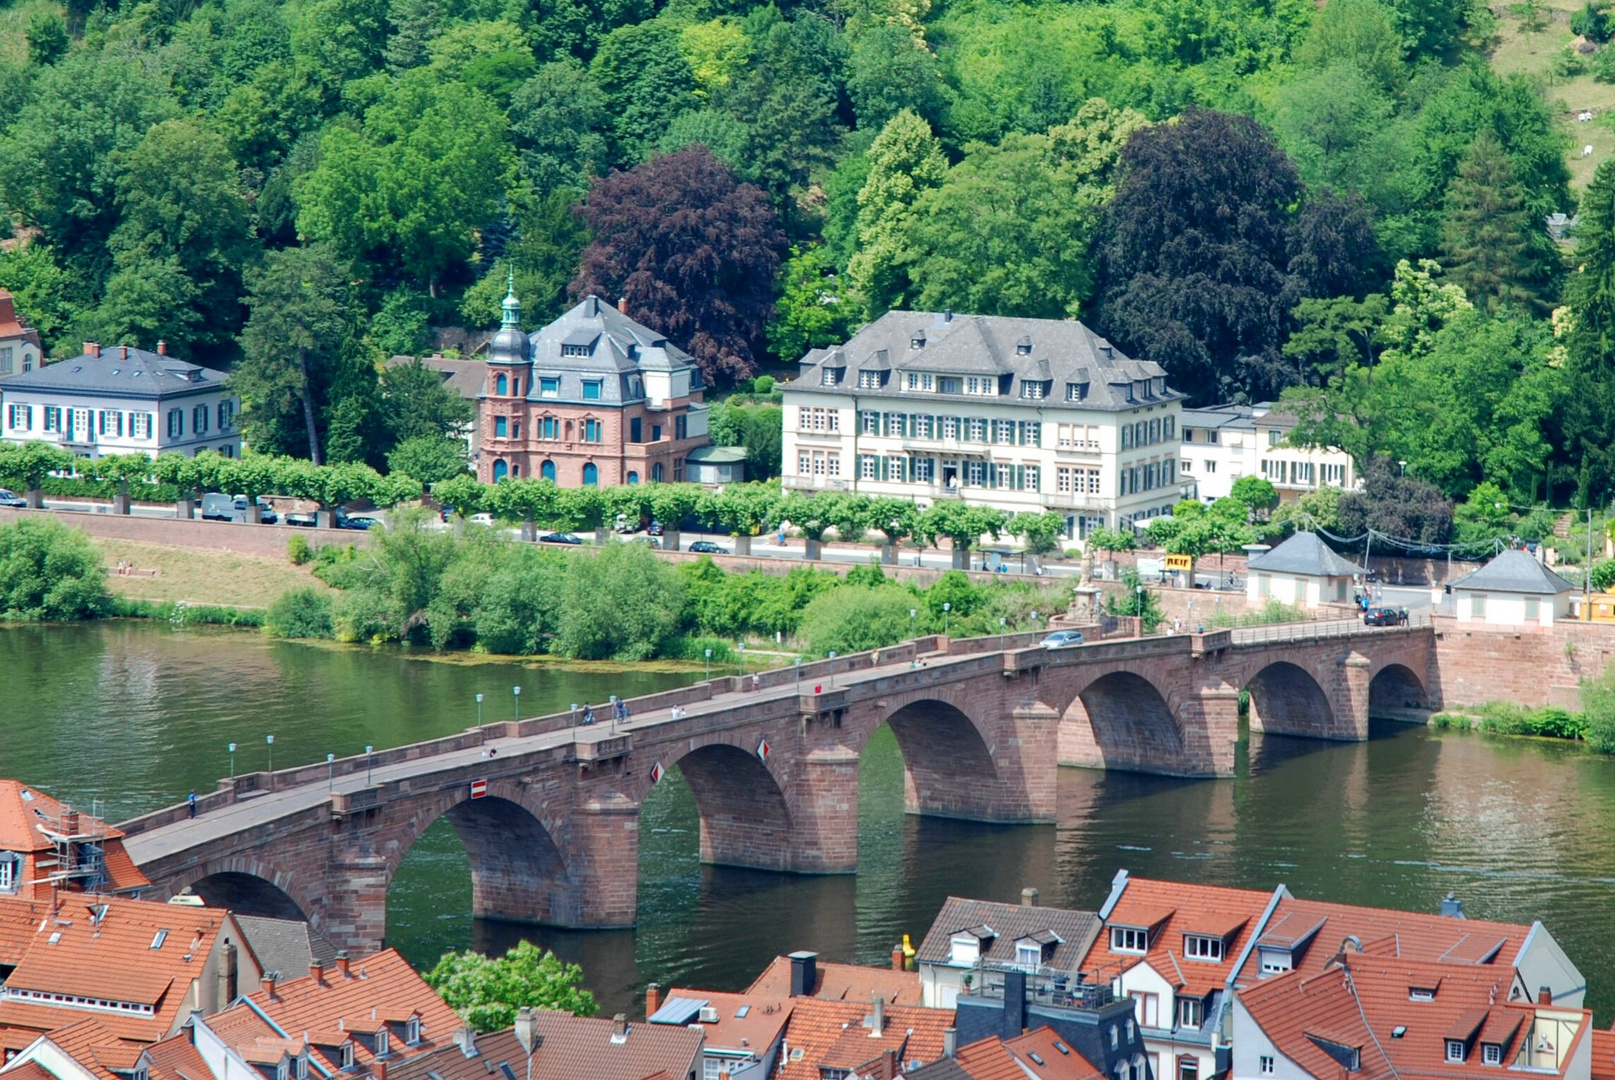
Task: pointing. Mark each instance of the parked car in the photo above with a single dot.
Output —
(707, 547)
(655, 529)
(1382, 616)
(12, 499)
(559, 538)
(302, 520)
(1061, 639)
(481, 519)
(217, 506)
(357, 521)
(648, 541)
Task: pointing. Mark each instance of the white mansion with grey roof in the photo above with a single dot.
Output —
(121, 400)
(1018, 414)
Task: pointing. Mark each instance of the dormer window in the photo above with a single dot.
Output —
(917, 342)
(1491, 1054)
(869, 380)
(964, 949)
(1421, 993)
(1455, 1051)
(382, 1049)
(283, 1070)
(412, 1031)
(1028, 954)
(1033, 390)
(831, 376)
(10, 871)
(1129, 939)
(574, 350)
(347, 1055)
(1202, 947)
(302, 1066)
(1191, 1012)
(1076, 391)
(1023, 347)
(921, 381)
(1275, 961)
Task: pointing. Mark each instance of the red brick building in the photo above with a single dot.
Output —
(594, 398)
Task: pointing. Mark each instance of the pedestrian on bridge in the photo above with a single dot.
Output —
(190, 804)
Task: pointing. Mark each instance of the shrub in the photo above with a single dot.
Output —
(1591, 23)
(1603, 574)
(298, 551)
(1274, 611)
(763, 385)
(620, 604)
(301, 613)
(182, 614)
(851, 620)
(49, 571)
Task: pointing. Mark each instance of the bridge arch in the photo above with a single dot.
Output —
(1396, 693)
(1120, 720)
(251, 892)
(948, 766)
(519, 872)
(745, 818)
(1285, 699)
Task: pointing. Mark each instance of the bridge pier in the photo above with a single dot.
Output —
(354, 912)
(1210, 725)
(602, 887)
(824, 813)
(1351, 715)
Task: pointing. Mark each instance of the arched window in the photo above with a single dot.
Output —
(500, 471)
(591, 475)
(547, 471)
(501, 385)
(633, 478)
(656, 473)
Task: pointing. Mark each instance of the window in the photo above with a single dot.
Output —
(1129, 939)
(6, 360)
(1455, 1050)
(946, 385)
(549, 386)
(227, 414)
(867, 464)
(1130, 1032)
(1491, 1054)
(501, 427)
(1169, 427)
(501, 385)
(1274, 438)
(1275, 962)
(869, 380)
(978, 429)
(1265, 1064)
(1211, 466)
(176, 423)
(199, 416)
(142, 425)
(831, 376)
(1115, 1037)
(1190, 1012)
(547, 471)
(1201, 947)
(10, 871)
(347, 1055)
(681, 428)
(1188, 1068)
(1477, 605)
(1033, 390)
(412, 1031)
(591, 389)
(1334, 475)
(1127, 436)
(1147, 1007)
(591, 431)
(921, 381)
(500, 471)
(591, 475)
(923, 468)
(1004, 431)
(1533, 607)
(984, 385)
(53, 418)
(574, 350)
(20, 417)
(917, 342)
(1028, 955)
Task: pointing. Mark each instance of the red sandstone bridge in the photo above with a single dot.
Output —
(551, 820)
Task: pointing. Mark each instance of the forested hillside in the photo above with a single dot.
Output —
(1259, 195)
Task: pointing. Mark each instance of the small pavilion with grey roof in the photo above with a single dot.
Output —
(1512, 590)
(1302, 571)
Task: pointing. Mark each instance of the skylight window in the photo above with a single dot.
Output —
(158, 938)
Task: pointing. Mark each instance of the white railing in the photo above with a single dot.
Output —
(1314, 631)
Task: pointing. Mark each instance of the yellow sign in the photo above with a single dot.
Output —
(1179, 562)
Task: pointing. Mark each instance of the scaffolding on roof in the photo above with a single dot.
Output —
(79, 843)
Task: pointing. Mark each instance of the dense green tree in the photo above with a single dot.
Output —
(905, 160)
(812, 311)
(889, 71)
(431, 459)
(693, 251)
(558, 117)
(417, 403)
(1397, 505)
(49, 570)
(295, 343)
(47, 37)
(487, 991)
(620, 604)
(1589, 416)
(1493, 248)
(852, 620)
(46, 294)
(1361, 33)
(646, 80)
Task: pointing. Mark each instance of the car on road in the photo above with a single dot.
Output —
(707, 547)
(357, 521)
(1382, 616)
(1061, 639)
(481, 519)
(655, 529)
(559, 538)
(302, 520)
(220, 507)
(12, 499)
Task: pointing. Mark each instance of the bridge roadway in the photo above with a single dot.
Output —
(549, 810)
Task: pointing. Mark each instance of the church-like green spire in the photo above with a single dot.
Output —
(512, 306)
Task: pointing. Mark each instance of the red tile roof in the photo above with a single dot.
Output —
(757, 1030)
(1041, 1054)
(176, 1058)
(1364, 1005)
(1320, 928)
(30, 820)
(1174, 909)
(96, 1047)
(1603, 1055)
(573, 1048)
(841, 982)
(835, 1034)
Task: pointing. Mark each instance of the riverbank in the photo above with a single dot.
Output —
(169, 574)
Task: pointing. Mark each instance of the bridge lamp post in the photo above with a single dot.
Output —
(709, 665)
(740, 658)
(832, 668)
(1034, 620)
(798, 674)
(479, 710)
(913, 613)
(1001, 621)
(516, 694)
(946, 607)
(574, 714)
(1139, 599)
(614, 702)
(330, 771)
(271, 740)
(368, 751)
(232, 761)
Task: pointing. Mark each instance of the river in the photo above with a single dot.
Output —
(135, 715)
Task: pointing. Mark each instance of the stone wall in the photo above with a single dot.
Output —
(1532, 666)
(264, 540)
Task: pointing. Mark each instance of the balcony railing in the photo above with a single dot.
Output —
(817, 483)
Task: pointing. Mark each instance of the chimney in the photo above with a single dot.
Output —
(466, 1040)
(92, 348)
(950, 1041)
(342, 962)
(1014, 1021)
(1029, 897)
(1544, 995)
(622, 304)
(268, 983)
(379, 1070)
(72, 822)
(162, 347)
(123, 352)
(877, 1017)
(804, 973)
(527, 1030)
(619, 1028)
(653, 999)
(1452, 907)
(316, 971)
(897, 958)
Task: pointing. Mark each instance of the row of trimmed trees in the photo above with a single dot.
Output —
(27, 467)
(747, 510)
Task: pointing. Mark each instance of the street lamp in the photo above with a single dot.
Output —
(1001, 621)
(1404, 466)
(271, 740)
(330, 771)
(946, 607)
(913, 613)
(368, 751)
(574, 714)
(832, 668)
(799, 674)
(709, 665)
(232, 761)
(614, 700)
(1138, 608)
(516, 693)
(479, 710)
(740, 661)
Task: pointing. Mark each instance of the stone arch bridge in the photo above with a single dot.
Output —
(549, 811)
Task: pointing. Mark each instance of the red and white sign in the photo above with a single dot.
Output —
(763, 750)
(479, 789)
(818, 688)
(656, 773)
